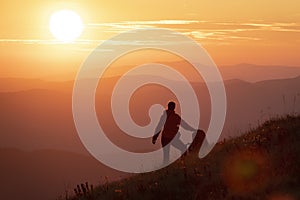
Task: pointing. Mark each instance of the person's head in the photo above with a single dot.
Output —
(171, 105)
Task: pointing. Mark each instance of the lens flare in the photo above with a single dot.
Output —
(245, 171)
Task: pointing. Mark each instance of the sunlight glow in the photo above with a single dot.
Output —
(66, 25)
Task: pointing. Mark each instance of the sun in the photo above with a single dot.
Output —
(66, 25)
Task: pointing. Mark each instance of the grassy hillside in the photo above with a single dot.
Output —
(262, 164)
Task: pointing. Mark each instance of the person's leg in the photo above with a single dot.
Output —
(166, 149)
(177, 143)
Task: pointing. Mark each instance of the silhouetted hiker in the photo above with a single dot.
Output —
(170, 122)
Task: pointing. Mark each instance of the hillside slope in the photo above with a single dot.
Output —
(262, 164)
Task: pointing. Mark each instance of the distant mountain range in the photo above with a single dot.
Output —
(254, 73)
(245, 72)
(42, 118)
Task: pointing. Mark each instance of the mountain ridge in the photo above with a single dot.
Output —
(247, 72)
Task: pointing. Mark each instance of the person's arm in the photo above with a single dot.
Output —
(186, 126)
(159, 127)
(155, 136)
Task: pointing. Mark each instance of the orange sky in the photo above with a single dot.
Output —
(263, 32)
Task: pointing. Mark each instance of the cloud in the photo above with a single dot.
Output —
(203, 31)
(25, 41)
(146, 23)
(48, 42)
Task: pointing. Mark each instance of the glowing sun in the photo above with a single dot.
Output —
(66, 25)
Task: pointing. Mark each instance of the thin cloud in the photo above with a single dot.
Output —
(145, 23)
(205, 31)
(169, 22)
(26, 41)
(49, 42)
